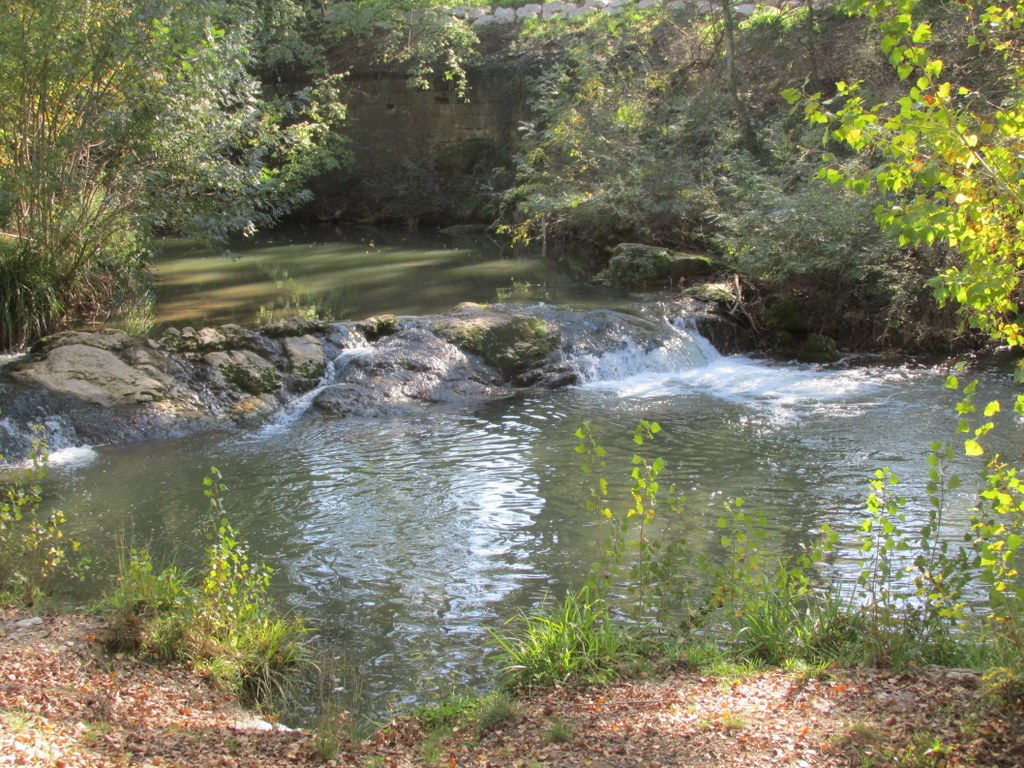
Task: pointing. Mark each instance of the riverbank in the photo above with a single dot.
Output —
(64, 701)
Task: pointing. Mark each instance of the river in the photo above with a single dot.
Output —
(404, 539)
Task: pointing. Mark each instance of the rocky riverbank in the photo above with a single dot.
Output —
(108, 387)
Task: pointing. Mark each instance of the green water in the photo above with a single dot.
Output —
(352, 275)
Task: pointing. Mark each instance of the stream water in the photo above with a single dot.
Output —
(403, 540)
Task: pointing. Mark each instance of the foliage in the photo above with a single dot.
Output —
(632, 555)
(118, 120)
(908, 604)
(33, 547)
(574, 640)
(421, 34)
(223, 623)
(634, 135)
(949, 154)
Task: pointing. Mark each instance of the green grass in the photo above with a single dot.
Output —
(576, 640)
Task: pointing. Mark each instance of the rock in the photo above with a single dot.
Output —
(528, 11)
(555, 8)
(635, 265)
(293, 326)
(306, 357)
(210, 339)
(94, 375)
(374, 328)
(410, 368)
(111, 388)
(109, 340)
(720, 294)
(245, 370)
(513, 344)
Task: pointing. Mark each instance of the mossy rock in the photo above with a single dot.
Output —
(379, 326)
(716, 293)
(246, 370)
(294, 326)
(817, 348)
(635, 265)
(513, 345)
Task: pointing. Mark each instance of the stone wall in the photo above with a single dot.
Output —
(480, 16)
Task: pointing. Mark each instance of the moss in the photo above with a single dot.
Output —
(635, 265)
(513, 347)
(377, 327)
(817, 348)
(718, 293)
(310, 370)
(253, 380)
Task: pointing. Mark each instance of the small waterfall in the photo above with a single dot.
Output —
(679, 347)
(674, 358)
(294, 410)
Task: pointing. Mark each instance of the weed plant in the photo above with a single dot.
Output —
(33, 547)
(223, 624)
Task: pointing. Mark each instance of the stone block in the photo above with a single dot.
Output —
(504, 15)
(529, 11)
(555, 8)
(746, 9)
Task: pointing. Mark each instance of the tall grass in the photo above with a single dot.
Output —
(573, 640)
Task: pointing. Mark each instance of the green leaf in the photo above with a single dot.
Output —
(973, 448)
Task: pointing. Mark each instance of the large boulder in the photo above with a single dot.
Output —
(635, 265)
(95, 375)
(411, 367)
(515, 344)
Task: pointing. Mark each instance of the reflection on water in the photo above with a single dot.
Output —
(404, 539)
(334, 276)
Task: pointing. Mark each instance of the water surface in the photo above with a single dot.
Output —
(403, 540)
(336, 275)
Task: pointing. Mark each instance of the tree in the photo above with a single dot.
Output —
(121, 119)
(950, 154)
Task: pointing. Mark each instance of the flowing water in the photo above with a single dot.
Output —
(403, 540)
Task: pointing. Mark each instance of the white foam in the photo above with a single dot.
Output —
(688, 363)
(291, 413)
(78, 456)
(685, 349)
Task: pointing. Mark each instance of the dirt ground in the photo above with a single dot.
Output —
(64, 701)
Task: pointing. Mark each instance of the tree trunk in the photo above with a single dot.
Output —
(742, 113)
